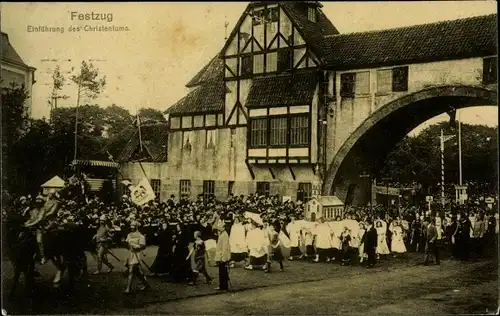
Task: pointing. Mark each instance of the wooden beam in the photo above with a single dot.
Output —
(250, 169)
(272, 173)
(291, 171)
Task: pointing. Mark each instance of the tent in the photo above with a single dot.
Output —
(54, 184)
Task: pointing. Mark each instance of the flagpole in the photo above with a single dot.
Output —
(442, 167)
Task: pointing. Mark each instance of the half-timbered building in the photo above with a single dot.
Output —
(255, 118)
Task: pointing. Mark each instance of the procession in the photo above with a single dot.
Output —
(260, 157)
(250, 232)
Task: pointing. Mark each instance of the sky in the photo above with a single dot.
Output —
(168, 43)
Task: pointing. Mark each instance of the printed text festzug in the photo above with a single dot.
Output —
(92, 16)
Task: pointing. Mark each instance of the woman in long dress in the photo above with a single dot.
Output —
(382, 248)
(323, 241)
(275, 253)
(257, 242)
(181, 270)
(397, 241)
(336, 228)
(293, 230)
(361, 244)
(237, 242)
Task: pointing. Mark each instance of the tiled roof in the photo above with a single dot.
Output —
(470, 37)
(313, 32)
(9, 53)
(214, 68)
(154, 140)
(296, 89)
(208, 97)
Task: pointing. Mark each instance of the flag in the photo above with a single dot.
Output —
(142, 193)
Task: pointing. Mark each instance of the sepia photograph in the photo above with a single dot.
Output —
(249, 158)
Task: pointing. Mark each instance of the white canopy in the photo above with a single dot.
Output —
(55, 182)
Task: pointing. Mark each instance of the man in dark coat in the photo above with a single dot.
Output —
(370, 242)
(463, 237)
(431, 239)
(163, 261)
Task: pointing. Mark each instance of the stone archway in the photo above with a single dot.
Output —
(370, 143)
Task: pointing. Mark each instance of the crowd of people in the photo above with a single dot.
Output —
(261, 230)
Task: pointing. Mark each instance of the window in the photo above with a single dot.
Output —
(258, 132)
(258, 64)
(304, 192)
(246, 65)
(384, 80)
(347, 85)
(400, 79)
(490, 70)
(311, 14)
(263, 188)
(299, 130)
(362, 85)
(278, 131)
(156, 186)
(187, 140)
(272, 62)
(230, 187)
(211, 140)
(285, 58)
(265, 15)
(208, 189)
(185, 188)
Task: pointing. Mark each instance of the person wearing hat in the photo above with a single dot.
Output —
(136, 243)
(102, 238)
(36, 216)
(222, 257)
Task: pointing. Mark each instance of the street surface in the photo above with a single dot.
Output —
(395, 287)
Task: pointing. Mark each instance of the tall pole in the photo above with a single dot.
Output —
(76, 118)
(459, 149)
(442, 166)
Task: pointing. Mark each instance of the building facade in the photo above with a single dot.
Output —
(15, 70)
(272, 109)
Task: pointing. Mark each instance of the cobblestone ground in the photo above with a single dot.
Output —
(393, 287)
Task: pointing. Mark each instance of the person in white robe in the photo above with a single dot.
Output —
(336, 228)
(307, 232)
(323, 241)
(361, 244)
(237, 242)
(397, 241)
(294, 233)
(382, 248)
(258, 243)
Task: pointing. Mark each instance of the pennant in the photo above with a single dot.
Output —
(142, 193)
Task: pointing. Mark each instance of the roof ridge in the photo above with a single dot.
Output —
(412, 26)
(194, 80)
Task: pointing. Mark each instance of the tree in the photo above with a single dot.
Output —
(90, 86)
(58, 81)
(418, 159)
(14, 125)
(151, 115)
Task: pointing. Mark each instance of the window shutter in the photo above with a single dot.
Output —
(400, 79)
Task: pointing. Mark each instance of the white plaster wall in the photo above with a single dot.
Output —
(351, 113)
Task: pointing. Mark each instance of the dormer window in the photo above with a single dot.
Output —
(311, 14)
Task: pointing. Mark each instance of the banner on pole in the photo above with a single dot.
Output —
(142, 193)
